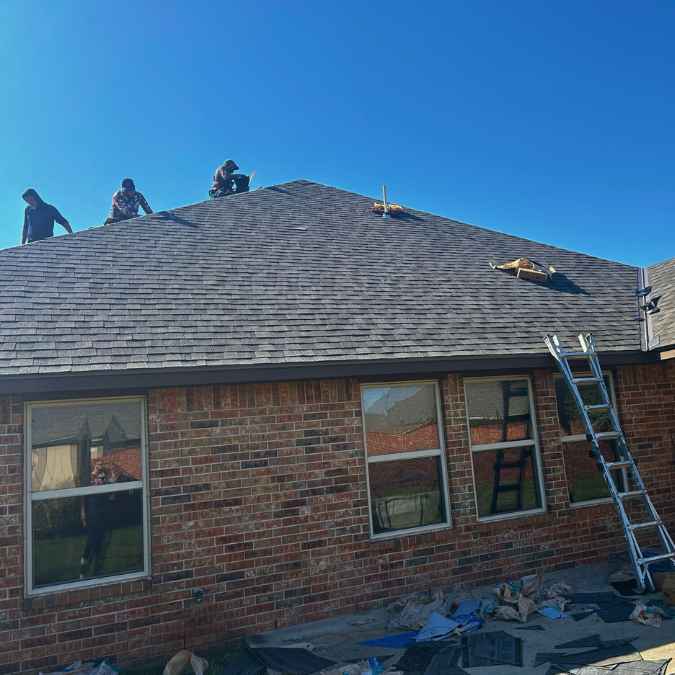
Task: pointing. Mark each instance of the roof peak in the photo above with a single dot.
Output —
(305, 183)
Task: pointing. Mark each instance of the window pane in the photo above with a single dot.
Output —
(584, 478)
(400, 419)
(406, 493)
(568, 413)
(86, 537)
(506, 481)
(498, 411)
(85, 444)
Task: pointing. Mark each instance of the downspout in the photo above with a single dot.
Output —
(648, 340)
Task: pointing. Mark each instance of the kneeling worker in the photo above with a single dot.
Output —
(39, 218)
(125, 203)
(226, 182)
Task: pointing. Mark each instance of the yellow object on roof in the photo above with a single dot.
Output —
(524, 268)
(391, 209)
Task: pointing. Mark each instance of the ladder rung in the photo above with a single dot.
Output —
(656, 558)
(508, 488)
(509, 465)
(590, 374)
(585, 380)
(628, 495)
(607, 435)
(618, 465)
(639, 526)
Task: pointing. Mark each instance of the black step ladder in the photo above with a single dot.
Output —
(625, 463)
(498, 485)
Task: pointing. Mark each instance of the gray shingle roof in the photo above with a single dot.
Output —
(294, 273)
(661, 278)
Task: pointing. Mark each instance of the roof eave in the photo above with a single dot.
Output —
(144, 379)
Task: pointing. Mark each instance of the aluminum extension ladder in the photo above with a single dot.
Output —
(633, 487)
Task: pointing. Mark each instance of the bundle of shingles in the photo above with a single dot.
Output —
(524, 268)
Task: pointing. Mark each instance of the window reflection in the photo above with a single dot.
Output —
(585, 481)
(400, 419)
(499, 411)
(506, 477)
(87, 505)
(406, 493)
(85, 537)
(568, 412)
(87, 444)
(506, 481)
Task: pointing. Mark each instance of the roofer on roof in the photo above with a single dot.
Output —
(226, 182)
(39, 217)
(125, 203)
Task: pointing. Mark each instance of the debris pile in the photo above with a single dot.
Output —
(647, 615)
(414, 610)
(444, 633)
(518, 600)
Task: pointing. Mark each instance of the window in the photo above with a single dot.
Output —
(407, 477)
(86, 478)
(504, 448)
(585, 482)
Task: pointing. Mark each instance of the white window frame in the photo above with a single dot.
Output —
(577, 438)
(414, 454)
(30, 497)
(481, 447)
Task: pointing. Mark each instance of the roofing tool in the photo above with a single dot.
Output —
(633, 488)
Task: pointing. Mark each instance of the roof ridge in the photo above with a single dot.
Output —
(125, 223)
(306, 182)
(482, 228)
(662, 262)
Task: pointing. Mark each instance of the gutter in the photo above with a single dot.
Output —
(144, 379)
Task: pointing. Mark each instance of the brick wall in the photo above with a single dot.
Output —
(258, 497)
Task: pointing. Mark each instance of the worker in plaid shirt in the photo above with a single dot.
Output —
(125, 203)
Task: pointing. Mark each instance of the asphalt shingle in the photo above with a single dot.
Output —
(294, 274)
(661, 278)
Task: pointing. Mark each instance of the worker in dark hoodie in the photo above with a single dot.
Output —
(39, 218)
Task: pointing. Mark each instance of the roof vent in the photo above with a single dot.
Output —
(524, 268)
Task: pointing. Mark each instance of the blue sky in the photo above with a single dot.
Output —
(550, 120)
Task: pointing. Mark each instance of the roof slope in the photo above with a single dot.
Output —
(290, 274)
(661, 278)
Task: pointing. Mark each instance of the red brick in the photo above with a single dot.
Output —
(259, 498)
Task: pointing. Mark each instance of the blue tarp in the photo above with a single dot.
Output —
(436, 628)
(399, 641)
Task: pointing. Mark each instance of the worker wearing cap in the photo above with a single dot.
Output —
(125, 203)
(223, 182)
